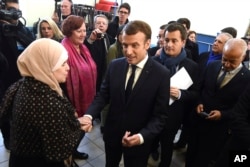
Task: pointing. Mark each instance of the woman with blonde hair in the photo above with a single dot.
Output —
(47, 28)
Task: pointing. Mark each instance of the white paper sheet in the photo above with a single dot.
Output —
(181, 80)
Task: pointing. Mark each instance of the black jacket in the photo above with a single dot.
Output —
(113, 28)
(13, 40)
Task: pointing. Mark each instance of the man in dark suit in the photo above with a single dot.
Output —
(240, 129)
(218, 97)
(134, 120)
(173, 56)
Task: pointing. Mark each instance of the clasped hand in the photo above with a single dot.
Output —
(86, 123)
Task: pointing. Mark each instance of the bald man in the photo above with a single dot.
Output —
(65, 10)
(217, 99)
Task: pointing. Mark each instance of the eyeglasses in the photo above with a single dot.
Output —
(123, 12)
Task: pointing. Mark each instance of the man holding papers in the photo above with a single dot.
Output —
(183, 92)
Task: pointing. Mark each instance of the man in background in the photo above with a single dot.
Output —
(66, 9)
(122, 18)
(14, 38)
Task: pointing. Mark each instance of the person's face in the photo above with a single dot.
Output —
(173, 43)
(231, 58)
(62, 72)
(78, 36)
(248, 45)
(12, 5)
(219, 43)
(123, 15)
(46, 30)
(102, 24)
(65, 8)
(161, 38)
(192, 37)
(135, 47)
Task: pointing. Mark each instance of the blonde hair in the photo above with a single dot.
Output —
(58, 35)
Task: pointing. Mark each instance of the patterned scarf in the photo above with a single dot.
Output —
(172, 62)
(81, 81)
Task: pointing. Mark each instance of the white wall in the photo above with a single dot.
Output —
(207, 17)
(34, 9)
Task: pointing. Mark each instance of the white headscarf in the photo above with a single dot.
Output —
(40, 59)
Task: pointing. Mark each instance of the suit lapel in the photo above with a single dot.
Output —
(237, 77)
(216, 72)
(123, 80)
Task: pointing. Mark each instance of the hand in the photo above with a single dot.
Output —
(174, 92)
(93, 35)
(199, 108)
(86, 123)
(129, 141)
(214, 115)
(87, 128)
(55, 17)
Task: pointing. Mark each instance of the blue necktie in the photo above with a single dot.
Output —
(129, 86)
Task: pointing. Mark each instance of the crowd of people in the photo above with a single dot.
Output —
(55, 83)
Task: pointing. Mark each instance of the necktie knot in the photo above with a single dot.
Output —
(133, 68)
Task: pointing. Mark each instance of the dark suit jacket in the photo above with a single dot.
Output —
(202, 63)
(113, 28)
(225, 98)
(146, 109)
(188, 97)
(210, 136)
(240, 124)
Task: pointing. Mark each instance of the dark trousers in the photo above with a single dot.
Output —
(166, 142)
(207, 141)
(115, 150)
(184, 132)
(167, 136)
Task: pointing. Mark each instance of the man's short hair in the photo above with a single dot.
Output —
(126, 6)
(230, 30)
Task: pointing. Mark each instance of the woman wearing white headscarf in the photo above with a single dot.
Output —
(44, 128)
